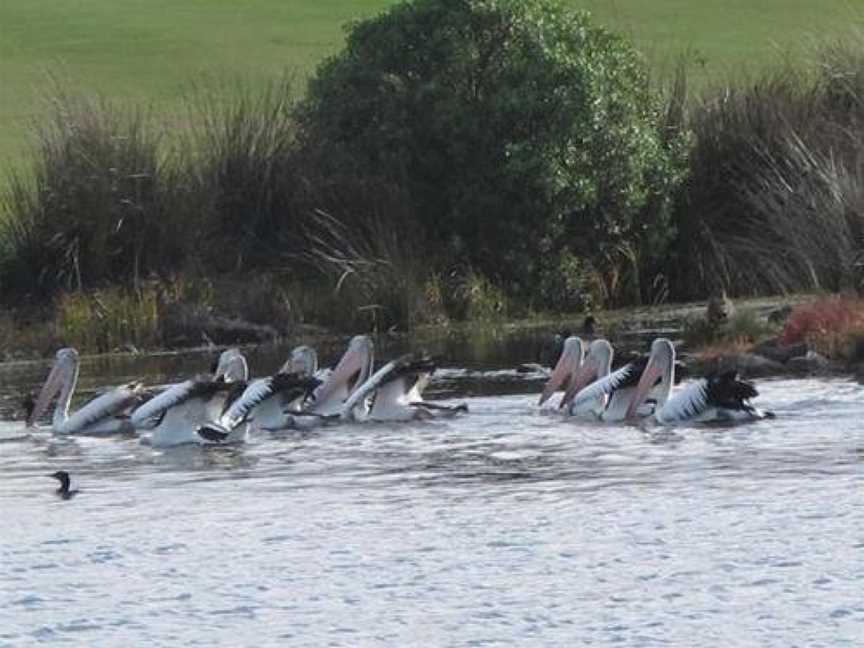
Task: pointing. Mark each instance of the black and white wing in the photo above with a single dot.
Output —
(397, 382)
(401, 387)
(287, 387)
(601, 390)
(687, 404)
(149, 414)
(719, 397)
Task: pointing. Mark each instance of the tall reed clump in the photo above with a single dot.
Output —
(239, 158)
(372, 255)
(776, 192)
(109, 319)
(91, 210)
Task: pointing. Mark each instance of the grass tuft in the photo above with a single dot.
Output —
(775, 179)
(110, 319)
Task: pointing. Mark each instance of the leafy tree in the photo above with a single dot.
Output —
(520, 129)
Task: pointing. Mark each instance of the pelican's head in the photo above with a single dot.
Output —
(65, 370)
(231, 367)
(353, 369)
(303, 360)
(597, 364)
(568, 364)
(660, 369)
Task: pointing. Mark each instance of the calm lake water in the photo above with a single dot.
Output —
(503, 527)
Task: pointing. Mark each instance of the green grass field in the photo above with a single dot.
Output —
(151, 51)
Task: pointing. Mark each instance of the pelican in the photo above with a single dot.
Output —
(393, 393)
(353, 370)
(719, 397)
(655, 381)
(648, 378)
(296, 407)
(175, 415)
(274, 402)
(105, 414)
(565, 369)
(596, 366)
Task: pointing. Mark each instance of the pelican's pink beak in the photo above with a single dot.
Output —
(652, 372)
(52, 386)
(353, 369)
(560, 377)
(585, 376)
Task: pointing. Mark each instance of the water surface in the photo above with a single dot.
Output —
(502, 527)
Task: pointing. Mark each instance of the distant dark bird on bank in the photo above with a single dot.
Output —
(65, 481)
(588, 326)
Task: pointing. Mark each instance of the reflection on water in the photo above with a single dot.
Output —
(503, 527)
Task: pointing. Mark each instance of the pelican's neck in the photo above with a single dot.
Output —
(61, 409)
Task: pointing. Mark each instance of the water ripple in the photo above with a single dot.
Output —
(503, 527)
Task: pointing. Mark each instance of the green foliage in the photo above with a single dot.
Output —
(92, 210)
(519, 129)
(376, 267)
(480, 299)
(239, 165)
(109, 319)
(776, 192)
(570, 283)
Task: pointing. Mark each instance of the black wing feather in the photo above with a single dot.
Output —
(725, 390)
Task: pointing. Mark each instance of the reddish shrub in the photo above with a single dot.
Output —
(828, 316)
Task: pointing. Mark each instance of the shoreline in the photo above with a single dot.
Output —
(626, 328)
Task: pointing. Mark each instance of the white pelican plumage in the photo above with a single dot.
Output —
(353, 369)
(595, 367)
(296, 408)
(394, 393)
(175, 416)
(648, 378)
(103, 415)
(720, 397)
(274, 402)
(568, 365)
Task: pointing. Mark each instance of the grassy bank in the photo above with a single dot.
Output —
(151, 52)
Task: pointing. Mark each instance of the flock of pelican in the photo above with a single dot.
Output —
(223, 406)
(642, 388)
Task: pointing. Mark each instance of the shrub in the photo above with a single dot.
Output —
(378, 273)
(92, 209)
(239, 165)
(832, 326)
(109, 319)
(829, 315)
(480, 299)
(517, 127)
(775, 198)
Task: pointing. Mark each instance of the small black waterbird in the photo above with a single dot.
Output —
(64, 491)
